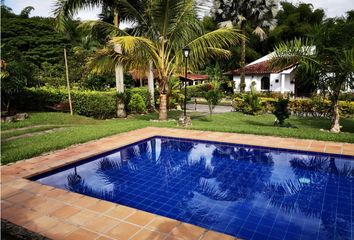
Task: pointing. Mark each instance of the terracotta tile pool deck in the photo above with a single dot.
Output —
(59, 214)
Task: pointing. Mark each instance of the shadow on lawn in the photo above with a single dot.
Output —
(257, 123)
(317, 123)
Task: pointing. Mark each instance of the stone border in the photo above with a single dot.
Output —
(58, 214)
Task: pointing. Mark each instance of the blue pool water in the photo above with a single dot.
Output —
(248, 192)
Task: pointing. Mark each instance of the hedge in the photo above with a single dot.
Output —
(196, 91)
(300, 107)
(97, 104)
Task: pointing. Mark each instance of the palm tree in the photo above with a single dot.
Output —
(331, 66)
(66, 9)
(332, 69)
(163, 29)
(258, 14)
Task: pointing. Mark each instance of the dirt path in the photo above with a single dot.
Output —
(29, 127)
(205, 109)
(35, 133)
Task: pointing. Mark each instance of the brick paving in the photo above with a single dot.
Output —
(59, 214)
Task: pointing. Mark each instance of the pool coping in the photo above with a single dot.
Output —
(60, 214)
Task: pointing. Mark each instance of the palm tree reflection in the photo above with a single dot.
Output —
(325, 195)
(182, 172)
(74, 178)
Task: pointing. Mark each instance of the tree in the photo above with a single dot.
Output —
(257, 13)
(163, 29)
(31, 39)
(14, 77)
(295, 21)
(66, 9)
(331, 67)
(26, 12)
(213, 96)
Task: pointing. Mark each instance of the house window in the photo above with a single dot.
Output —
(265, 84)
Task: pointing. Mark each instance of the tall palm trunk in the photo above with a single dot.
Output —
(335, 126)
(163, 99)
(121, 113)
(151, 86)
(243, 59)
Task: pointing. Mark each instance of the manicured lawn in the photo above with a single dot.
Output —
(77, 129)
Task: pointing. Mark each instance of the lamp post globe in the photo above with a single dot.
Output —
(186, 50)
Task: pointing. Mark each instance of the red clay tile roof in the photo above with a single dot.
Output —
(196, 77)
(258, 68)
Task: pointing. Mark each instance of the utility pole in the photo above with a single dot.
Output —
(67, 81)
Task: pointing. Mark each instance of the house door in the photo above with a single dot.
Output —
(265, 84)
(304, 88)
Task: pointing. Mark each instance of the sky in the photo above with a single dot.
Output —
(333, 8)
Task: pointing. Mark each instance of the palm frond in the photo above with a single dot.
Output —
(210, 45)
(260, 33)
(132, 45)
(297, 51)
(101, 28)
(64, 10)
(104, 61)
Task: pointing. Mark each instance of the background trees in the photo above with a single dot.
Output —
(330, 66)
(162, 30)
(295, 21)
(257, 14)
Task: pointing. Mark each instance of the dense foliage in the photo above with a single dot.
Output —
(137, 104)
(212, 95)
(252, 101)
(316, 107)
(33, 52)
(330, 66)
(95, 104)
(281, 111)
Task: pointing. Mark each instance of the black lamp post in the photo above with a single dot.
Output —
(186, 51)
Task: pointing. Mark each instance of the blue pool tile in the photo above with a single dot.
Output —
(245, 191)
(245, 233)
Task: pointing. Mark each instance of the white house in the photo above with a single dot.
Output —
(266, 79)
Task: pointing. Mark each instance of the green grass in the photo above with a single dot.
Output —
(84, 129)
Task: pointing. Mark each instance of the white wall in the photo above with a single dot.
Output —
(274, 86)
(248, 80)
(275, 82)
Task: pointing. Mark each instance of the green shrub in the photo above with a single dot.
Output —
(315, 107)
(98, 82)
(346, 96)
(137, 104)
(213, 97)
(88, 103)
(252, 102)
(197, 90)
(41, 99)
(142, 91)
(281, 110)
(95, 104)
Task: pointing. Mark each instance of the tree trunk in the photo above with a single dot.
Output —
(210, 109)
(335, 126)
(163, 107)
(243, 60)
(151, 86)
(121, 113)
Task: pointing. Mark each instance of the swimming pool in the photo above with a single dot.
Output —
(248, 192)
